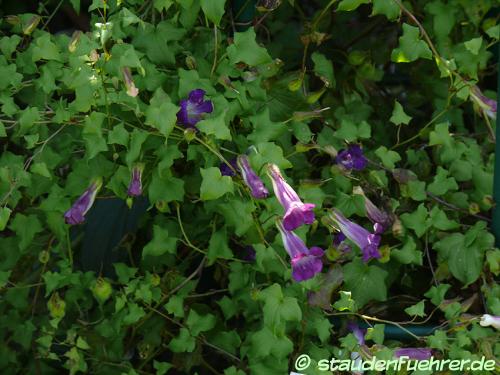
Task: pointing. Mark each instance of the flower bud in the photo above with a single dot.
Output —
(102, 290)
(56, 306)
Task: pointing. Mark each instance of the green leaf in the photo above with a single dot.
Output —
(92, 134)
(118, 135)
(165, 188)
(183, 343)
(265, 343)
(411, 47)
(474, 45)
(199, 323)
(161, 5)
(408, 254)
(376, 333)
(348, 5)
(45, 49)
(4, 278)
(162, 117)
(388, 8)
(213, 184)
(417, 220)
(416, 190)
(350, 131)
(442, 184)
(216, 126)
(124, 272)
(416, 310)
(4, 217)
(345, 302)
(175, 306)
(28, 118)
(162, 243)
(437, 293)
(388, 157)
(278, 308)
(365, 282)
(135, 313)
(26, 227)
(245, 49)
(264, 129)
(398, 115)
(218, 247)
(323, 68)
(213, 9)
(238, 215)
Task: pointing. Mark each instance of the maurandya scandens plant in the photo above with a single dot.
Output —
(135, 185)
(251, 179)
(193, 108)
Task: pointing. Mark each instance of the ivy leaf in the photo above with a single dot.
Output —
(26, 227)
(474, 45)
(437, 293)
(92, 134)
(350, 131)
(442, 184)
(398, 115)
(182, 343)
(162, 243)
(365, 282)
(348, 5)
(264, 129)
(218, 246)
(388, 157)
(323, 68)
(216, 126)
(278, 308)
(416, 310)
(45, 49)
(162, 117)
(199, 323)
(411, 47)
(345, 302)
(213, 9)
(118, 135)
(388, 8)
(175, 306)
(161, 5)
(265, 343)
(245, 49)
(165, 188)
(214, 185)
(408, 254)
(417, 220)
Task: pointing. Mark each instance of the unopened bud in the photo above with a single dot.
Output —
(189, 134)
(74, 41)
(31, 25)
(397, 228)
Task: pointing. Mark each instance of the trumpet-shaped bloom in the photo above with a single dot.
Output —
(366, 241)
(251, 179)
(193, 108)
(352, 158)
(76, 214)
(339, 243)
(490, 320)
(381, 220)
(357, 332)
(414, 353)
(306, 263)
(129, 83)
(135, 185)
(296, 212)
(487, 105)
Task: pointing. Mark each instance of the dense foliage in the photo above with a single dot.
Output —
(138, 238)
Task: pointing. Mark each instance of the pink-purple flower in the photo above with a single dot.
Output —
(76, 214)
(414, 353)
(135, 185)
(306, 263)
(366, 241)
(381, 220)
(340, 244)
(251, 179)
(229, 169)
(352, 158)
(296, 212)
(193, 108)
(487, 105)
(357, 332)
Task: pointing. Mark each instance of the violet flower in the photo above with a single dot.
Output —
(296, 212)
(357, 332)
(249, 253)
(76, 214)
(367, 242)
(339, 243)
(251, 179)
(193, 108)
(352, 158)
(226, 170)
(381, 220)
(306, 263)
(490, 320)
(487, 105)
(135, 185)
(414, 353)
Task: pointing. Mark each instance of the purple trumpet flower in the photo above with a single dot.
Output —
(487, 105)
(193, 108)
(352, 158)
(357, 332)
(76, 214)
(306, 263)
(296, 212)
(367, 242)
(381, 220)
(414, 353)
(226, 170)
(135, 185)
(251, 179)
